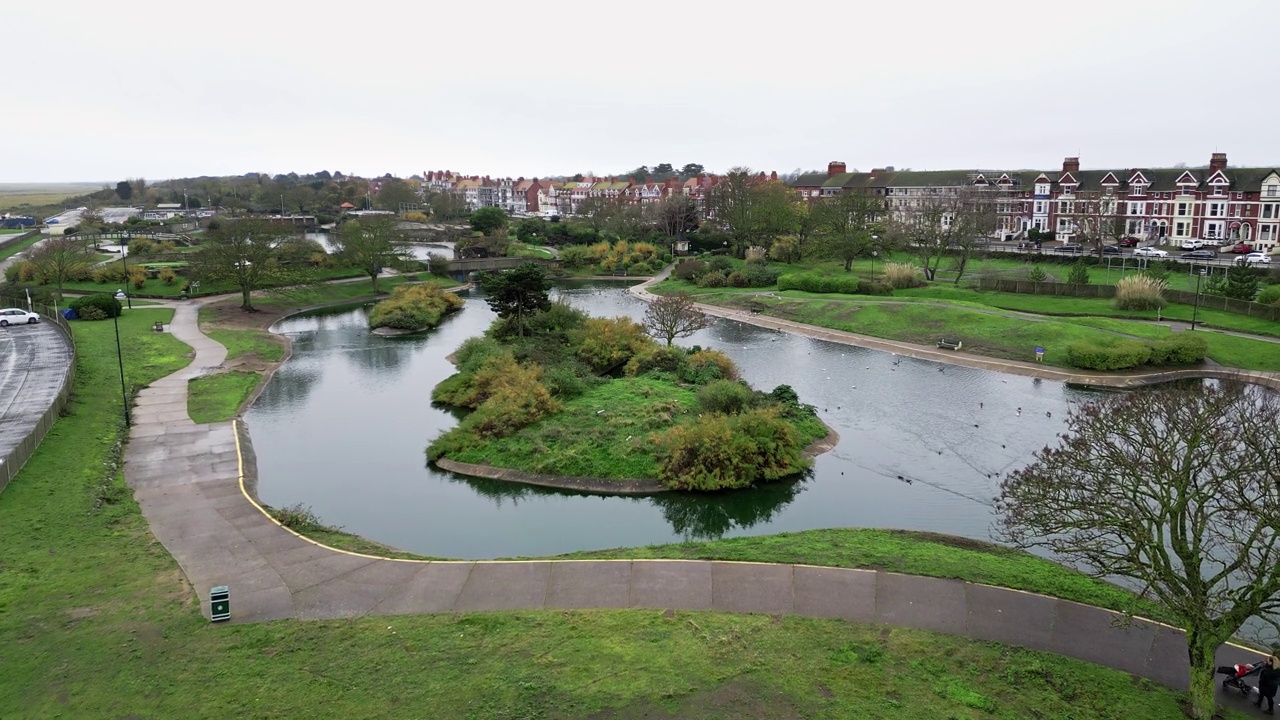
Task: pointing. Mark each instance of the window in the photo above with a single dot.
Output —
(1042, 189)
(1138, 189)
(1267, 233)
(1273, 190)
(1219, 190)
(1137, 208)
(1042, 207)
(1217, 209)
(1180, 229)
(1064, 225)
(1183, 209)
(1213, 230)
(1065, 206)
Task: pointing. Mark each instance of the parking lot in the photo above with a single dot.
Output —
(1223, 259)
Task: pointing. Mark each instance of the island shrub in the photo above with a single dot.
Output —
(605, 343)
(1123, 355)
(518, 399)
(1140, 292)
(658, 358)
(470, 388)
(566, 381)
(556, 323)
(729, 397)
(474, 351)
(708, 365)
(109, 306)
(724, 452)
(414, 307)
(1180, 349)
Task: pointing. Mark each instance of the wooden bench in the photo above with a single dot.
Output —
(158, 327)
(950, 344)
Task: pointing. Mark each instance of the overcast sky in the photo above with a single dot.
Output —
(169, 89)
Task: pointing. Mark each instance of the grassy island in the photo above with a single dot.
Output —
(419, 306)
(576, 396)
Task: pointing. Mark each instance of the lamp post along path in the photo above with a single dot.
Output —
(124, 394)
(1195, 312)
(124, 258)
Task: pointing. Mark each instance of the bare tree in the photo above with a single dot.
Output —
(945, 222)
(974, 222)
(673, 316)
(675, 215)
(849, 224)
(751, 211)
(1097, 220)
(58, 259)
(1174, 489)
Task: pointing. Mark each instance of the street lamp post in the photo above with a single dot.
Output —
(1195, 312)
(875, 239)
(124, 394)
(124, 258)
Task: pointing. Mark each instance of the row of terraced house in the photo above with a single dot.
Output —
(566, 197)
(1216, 204)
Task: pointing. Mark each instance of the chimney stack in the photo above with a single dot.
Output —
(834, 168)
(1071, 165)
(773, 175)
(1217, 161)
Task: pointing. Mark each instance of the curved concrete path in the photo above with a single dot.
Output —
(189, 481)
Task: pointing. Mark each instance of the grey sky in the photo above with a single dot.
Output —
(502, 88)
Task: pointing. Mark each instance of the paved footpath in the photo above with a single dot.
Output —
(188, 480)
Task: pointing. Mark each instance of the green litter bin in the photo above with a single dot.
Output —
(220, 603)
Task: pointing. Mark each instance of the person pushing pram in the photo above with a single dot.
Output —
(1268, 672)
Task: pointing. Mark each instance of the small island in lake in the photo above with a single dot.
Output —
(415, 307)
(559, 394)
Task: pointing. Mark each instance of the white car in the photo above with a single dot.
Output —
(1151, 252)
(17, 316)
(1191, 244)
(1255, 257)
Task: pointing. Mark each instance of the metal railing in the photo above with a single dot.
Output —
(11, 464)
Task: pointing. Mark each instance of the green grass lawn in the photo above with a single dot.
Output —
(214, 398)
(16, 248)
(96, 621)
(242, 342)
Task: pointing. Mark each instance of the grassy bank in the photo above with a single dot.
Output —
(901, 551)
(215, 398)
(16, 248)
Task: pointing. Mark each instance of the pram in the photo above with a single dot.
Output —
(1236, 675)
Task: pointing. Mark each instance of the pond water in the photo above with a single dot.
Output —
(343, 425)
(418, 251)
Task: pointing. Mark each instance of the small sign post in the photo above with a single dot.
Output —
(1039, 354)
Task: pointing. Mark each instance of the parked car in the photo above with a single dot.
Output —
(1129, 242)
(1240, 248)
(1199, 255)
(1254, 257)
(1151, 252)
(17, 316)
(1191, 244)
(1112, 250)
(1069, 248)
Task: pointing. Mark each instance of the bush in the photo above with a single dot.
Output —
(1035, 274)
(737, 279)
(1079, 274)
(137, 277)
(168, 276)
(1181, 349)
(13, 273)
(724, 396)
(659, 358)
(563, 382)
(1139, 292)
(720, 452)
(414, 307)
(846, 284)
(690, 270)
(1123, 355)
(91, 313)
(141, 246)
(1270, 295)
(113, 273)
(762, 275)
(516, 401)
(604, 343)
(474, 351)
(712, 279)
(902, 275)
(107, 304)
(721, 264)
(700, 361)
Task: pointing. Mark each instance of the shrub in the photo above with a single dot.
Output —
(91, 313)
(413, 307)
(659, 358)
(723, 364)
(846, 284)
(762, 275)
(520, 401)
(1181, 349)
(1035, 274)
(557, 321)
(721, 264)
(141, 246)
(1139, 292)
(690, 270)
(724, 396)
(785, 249)
(720, 451)
(107, 304)
(13, 273)
(902, 275)
(1079, 274)
(474, 351)
(639, 269)
(1157, 271)
(113, 273)
(168, 276)
(755, 254)
(604, 343)
(1123, 355)
(712, 279)
(1270, 295)
(137, 277)
(563, 382)
(737, 279)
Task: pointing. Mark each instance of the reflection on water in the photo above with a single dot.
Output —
(343, 425)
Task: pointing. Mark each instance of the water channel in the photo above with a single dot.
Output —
(342, 428)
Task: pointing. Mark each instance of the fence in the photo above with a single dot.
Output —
(1211, 302)
(18, 456)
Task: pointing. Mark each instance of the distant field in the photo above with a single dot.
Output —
(13, 195)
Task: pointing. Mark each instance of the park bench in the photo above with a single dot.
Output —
(158, 327)
(950, 344)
